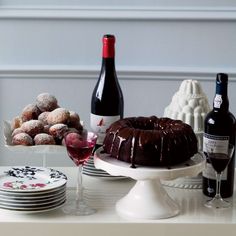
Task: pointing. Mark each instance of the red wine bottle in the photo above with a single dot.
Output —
(107, 103)
(219, 132)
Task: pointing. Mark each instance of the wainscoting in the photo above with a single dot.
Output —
(57, 48)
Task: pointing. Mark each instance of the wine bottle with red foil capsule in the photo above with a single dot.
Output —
(218, 135)
(107, 103)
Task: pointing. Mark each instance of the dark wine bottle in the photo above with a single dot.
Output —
(107, 103)
(218, 134)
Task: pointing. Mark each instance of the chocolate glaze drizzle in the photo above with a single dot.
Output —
(150, 141)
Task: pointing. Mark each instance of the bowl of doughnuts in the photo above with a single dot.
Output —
(40, 126)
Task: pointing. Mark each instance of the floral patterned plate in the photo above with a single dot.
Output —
(31, 195)
(27, 179)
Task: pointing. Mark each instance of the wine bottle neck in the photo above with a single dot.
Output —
(221, 101)
(108, 53)
(108, 64)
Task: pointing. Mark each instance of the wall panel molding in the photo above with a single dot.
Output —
(148, 12)
(133, 73)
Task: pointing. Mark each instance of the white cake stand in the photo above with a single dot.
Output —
(147, 199)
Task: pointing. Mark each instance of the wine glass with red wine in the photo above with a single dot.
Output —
(219, 162)
(79, 148)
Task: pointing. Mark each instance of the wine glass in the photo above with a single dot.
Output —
(79, 148)
(219, 162)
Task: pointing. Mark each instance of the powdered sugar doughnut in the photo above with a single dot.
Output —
(43, 117)
(59, 115)
(32, 127)
(41, 139)
(46, 129)
(22, 139)
(17, 131)
(30, 112)
(46, 102)
(16, 122)
(58, 130)
(74, 121)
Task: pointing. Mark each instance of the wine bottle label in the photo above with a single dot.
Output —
(214, 144)
(218, 100)
(99, 125)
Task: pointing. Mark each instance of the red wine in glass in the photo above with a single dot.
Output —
(79, 148)
(219, 161)
(80, 153)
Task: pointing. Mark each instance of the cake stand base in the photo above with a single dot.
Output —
(147, 200)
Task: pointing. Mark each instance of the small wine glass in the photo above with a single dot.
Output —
(79, 148)
(219, 162)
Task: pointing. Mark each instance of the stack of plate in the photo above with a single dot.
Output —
(32, 189)
(90, 169)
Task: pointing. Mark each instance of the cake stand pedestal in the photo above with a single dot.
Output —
(147, 199)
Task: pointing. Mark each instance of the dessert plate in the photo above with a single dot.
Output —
(48, 207)
(33, 204)
(29, 200)
(26, 179)
(32, 195)
(32, 189)
(90, 170)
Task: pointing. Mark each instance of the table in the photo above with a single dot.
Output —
(102, 194)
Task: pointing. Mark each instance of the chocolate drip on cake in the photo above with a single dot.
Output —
(150, 141)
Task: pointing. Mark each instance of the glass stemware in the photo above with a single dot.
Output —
(219, 162)
(79, 148)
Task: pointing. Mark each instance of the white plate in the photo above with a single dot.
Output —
(90, 170)
(26, 179)
(35, 210)
(32, 195)
(33, 204)
(31, 149)
(20, 200)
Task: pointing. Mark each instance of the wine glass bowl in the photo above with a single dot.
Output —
(79, 148)
(219, 162)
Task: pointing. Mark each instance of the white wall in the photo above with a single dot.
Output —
(57, 48)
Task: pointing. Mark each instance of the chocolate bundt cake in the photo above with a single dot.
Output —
(150, 141)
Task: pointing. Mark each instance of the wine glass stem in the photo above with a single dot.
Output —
(218, 183)
(79, 187)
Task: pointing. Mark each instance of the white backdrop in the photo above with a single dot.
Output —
(57, 48)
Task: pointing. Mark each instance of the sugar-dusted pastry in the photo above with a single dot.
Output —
(32, 127)
(43, 117)
(44, 139)
(74, 120)
(46, 102)
(16, 122)
(58, 130)
(30, 112)
(22, 139)
(16, 131)
(58, 116)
